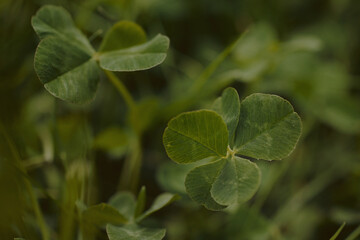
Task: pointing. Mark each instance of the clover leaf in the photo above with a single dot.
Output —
(268, 127)
(68, 65)
(196, 135)
(228, 107)
(237, 182)
(199, 182)
(263, 126)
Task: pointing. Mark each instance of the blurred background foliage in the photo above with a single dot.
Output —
(306, 51)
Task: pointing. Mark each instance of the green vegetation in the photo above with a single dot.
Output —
(131, 134)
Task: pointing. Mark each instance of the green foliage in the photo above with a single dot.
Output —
(265, 127)
(59, 161)
(338, 232)
(122, 35)
(140, 57)
(194, 136)
(102, 214)
(237, 182)
(199, 182)
(113, 140)
(67, 64)
(134, 233)
(268, 127)
(123, 209)
(228, 107)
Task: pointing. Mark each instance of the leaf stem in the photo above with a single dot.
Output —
(121, 89)
(338, 232)
(297, 201)
(196, 90)
(131, 171)
(37, 211)
(208, 72)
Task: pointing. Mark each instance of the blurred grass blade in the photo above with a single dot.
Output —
(354, 234)
(338, 231)
(140, 203)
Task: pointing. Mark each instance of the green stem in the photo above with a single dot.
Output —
(121, 89)
(37, 211)
(131, 171)
(354, 234)
(38, 214)
(305, 194)
(209, 71)
(197, 89)
(263, 195)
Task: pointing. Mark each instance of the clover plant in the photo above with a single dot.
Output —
(69, 66)
(233, 134)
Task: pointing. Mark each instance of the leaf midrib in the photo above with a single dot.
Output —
(207, 147)
(138, 48)
(66, 38)
(273, 125)
(127, 54)
(88, 60)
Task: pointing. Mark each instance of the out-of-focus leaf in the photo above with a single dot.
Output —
(304, 43)
(350, 216)
(56, 21)
(144, 114)
(172, 176)
(160, 202)
(125, 203)
(102, 214)
(74, 137)
(123, 34)
(140, 57)
(67, 65)
(113, 140)
(341, 113)
(247, 223)
(63, 60)
(260, 39)
(196, 135)
(134, 232)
